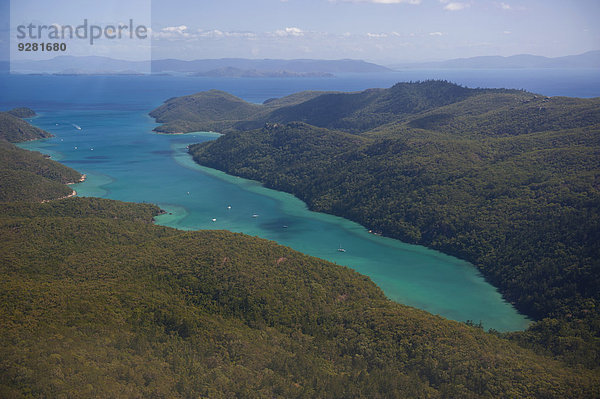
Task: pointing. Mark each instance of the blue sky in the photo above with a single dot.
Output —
(383, 31)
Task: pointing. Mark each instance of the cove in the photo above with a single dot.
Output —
(125, 160)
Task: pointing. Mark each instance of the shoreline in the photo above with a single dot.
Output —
(180, 133)
(378, 233)
(81, 180)
(73, 193)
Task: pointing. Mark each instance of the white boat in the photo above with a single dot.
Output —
(340, 249)
(76, 126)
(255, 215)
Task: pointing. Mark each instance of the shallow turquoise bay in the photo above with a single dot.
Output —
(125, 160)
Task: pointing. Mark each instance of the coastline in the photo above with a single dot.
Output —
(81, 180)
(379, 233)
(73, 193)
(391, 289)
(180, 133)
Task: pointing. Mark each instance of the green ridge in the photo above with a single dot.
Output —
(30, 176)
(505, 179)
(14, 129)
(103, 307)
(95, 301)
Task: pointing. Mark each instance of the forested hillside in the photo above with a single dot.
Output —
(97, 305)
(352, 112)
(507, 180)
(29, 176)
(14, 129)
(99, 302)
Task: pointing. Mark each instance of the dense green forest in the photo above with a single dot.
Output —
(29, 176)
(505, 179)
(14, 129)
(96, 301)
(352, 112)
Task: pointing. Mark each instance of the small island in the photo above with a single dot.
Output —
(232, 72)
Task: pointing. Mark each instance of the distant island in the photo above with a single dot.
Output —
(231, 72)
(226, 67)
(294, 65)
(591, 59)
(243, 67)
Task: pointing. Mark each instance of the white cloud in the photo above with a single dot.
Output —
(249, 35)
(293, 31)
(178, 29)
(377, 35)
(436, 34)
(414, 2)
(505, 6)
(455, 6)
(172, 32)
(182, 32)
(215, 33)
(507, 32)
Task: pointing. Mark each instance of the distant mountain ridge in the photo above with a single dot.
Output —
(591, 59)
(243, 67)
(231, 72)
(92, 65)
(296, 65)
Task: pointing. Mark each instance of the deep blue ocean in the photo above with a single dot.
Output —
(90, 92)
(125, 160)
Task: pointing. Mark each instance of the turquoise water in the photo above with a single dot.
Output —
(124, 160)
